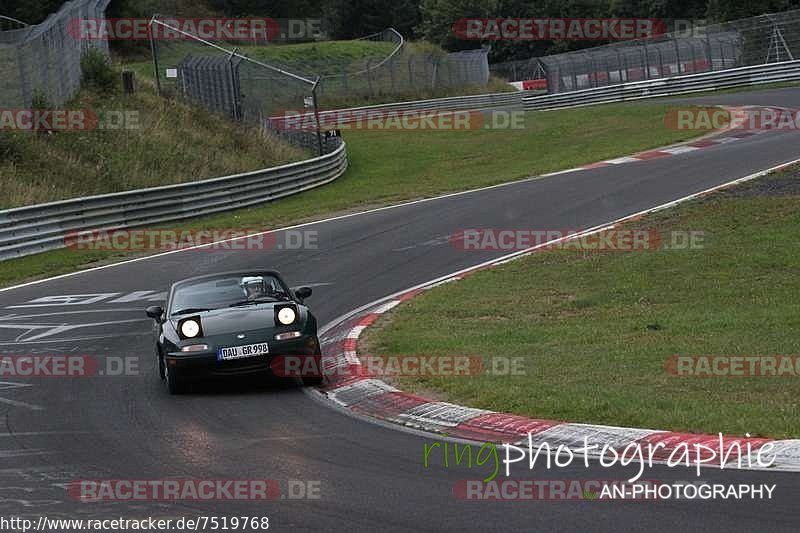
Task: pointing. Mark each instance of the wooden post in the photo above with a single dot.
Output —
(128, 82)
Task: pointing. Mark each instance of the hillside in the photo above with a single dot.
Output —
(165, 141)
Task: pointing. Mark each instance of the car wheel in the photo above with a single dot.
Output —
(174, 382)
(314, 381)
(160, 360)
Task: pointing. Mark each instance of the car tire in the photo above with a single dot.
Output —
(174, 382)
(160, 363)
(314, 381)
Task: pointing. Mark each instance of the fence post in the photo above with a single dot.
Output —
(660, 63)
(709, 51)
(234, 96)
(369, 75)
(154, 53)
(25, 92)
(316, 114)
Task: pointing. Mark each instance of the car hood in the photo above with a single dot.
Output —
(239, 319)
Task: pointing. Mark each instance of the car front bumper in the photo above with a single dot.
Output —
(205, 363)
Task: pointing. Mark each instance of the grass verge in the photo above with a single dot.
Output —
(164, 141)
(391, 166)
(595, 330)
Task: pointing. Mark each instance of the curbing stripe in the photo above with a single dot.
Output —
(374, 398)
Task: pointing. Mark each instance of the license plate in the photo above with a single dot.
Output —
(241, 352)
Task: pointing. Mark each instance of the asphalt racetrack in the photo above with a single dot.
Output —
(370, 477)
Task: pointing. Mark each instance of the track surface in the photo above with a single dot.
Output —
(371, 477)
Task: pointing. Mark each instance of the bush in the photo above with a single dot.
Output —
(97, 71)
(39, 100)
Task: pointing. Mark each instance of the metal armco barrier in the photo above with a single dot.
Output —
(38, 228)
(452, 103)
(442, 104)
(42, 227)
(769, 73)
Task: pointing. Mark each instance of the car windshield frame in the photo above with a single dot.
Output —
(224, 302)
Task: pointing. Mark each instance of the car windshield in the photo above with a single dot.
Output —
(228, 291)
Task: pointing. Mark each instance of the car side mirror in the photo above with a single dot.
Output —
(154, 312)
(303, 293)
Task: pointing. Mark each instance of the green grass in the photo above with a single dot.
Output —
(390, 82)
(391, 166)
(323, 56)
(172, 142)
(595, 329)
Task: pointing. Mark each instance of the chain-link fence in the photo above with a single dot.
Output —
(519, 70)
(247, 83)
(239, 83)
(224, 79)
(752, 41)
(46, 58)
(407, 70)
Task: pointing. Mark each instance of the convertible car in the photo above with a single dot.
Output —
(232, 323)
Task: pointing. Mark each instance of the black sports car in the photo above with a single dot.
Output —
(233, 323)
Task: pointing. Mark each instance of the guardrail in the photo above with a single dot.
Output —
(452, 103)
(38, 228)
(444, 104)
(754, 75)
(42, 227)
